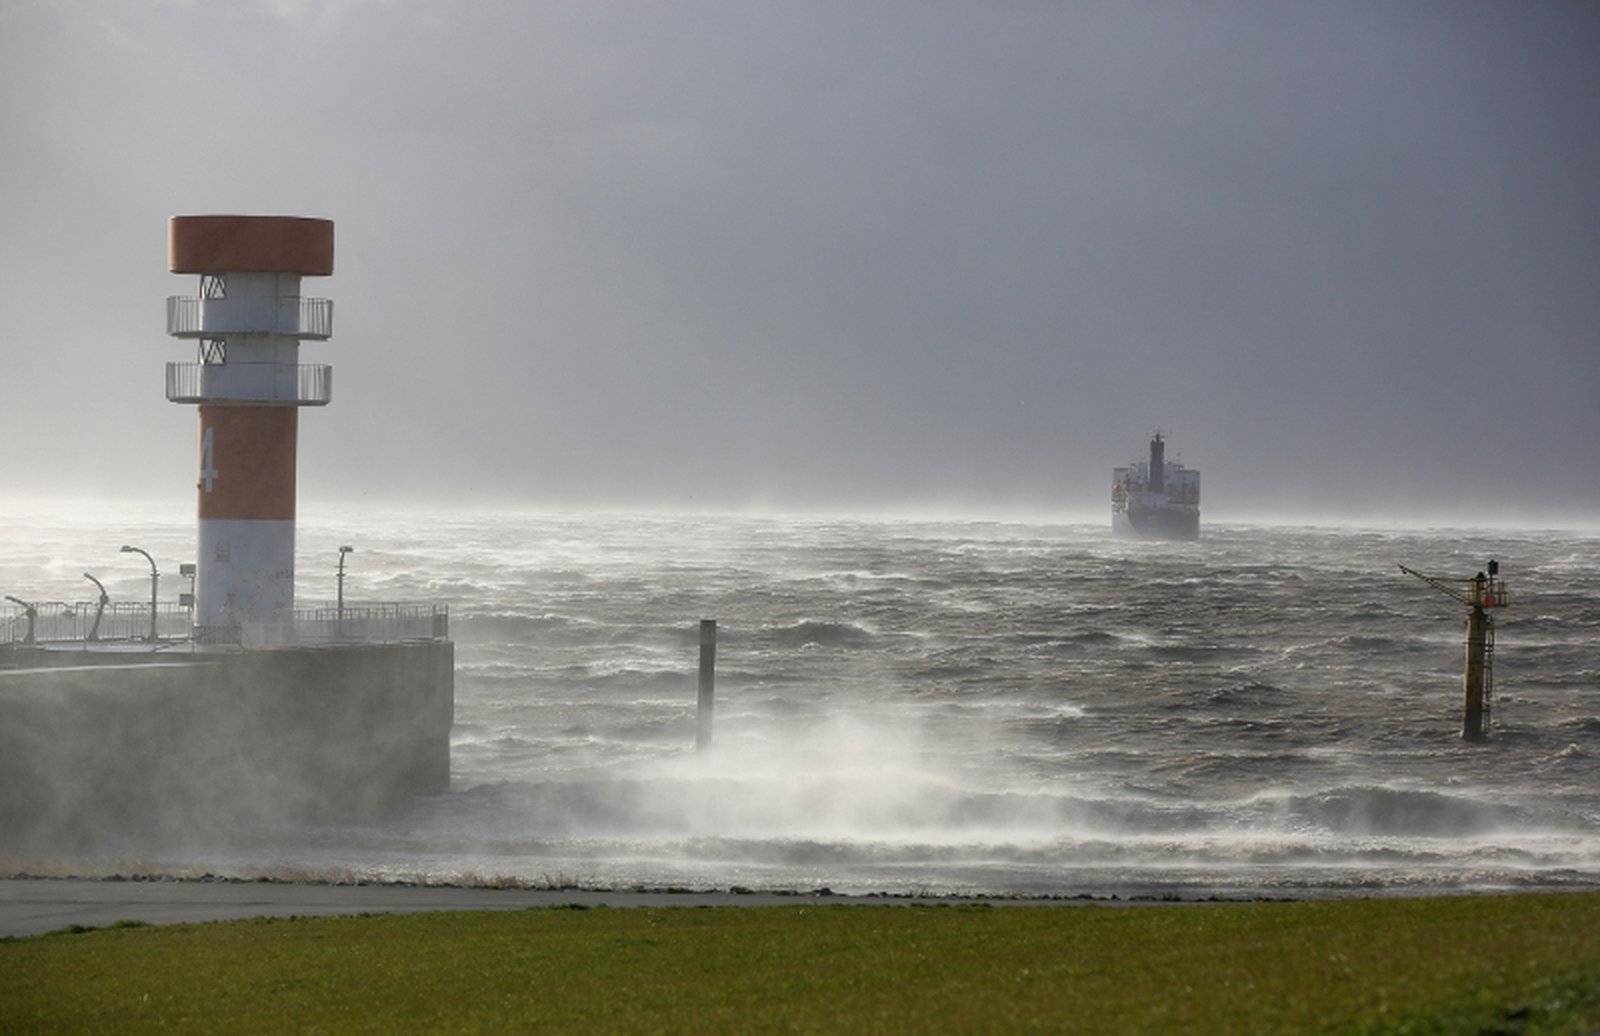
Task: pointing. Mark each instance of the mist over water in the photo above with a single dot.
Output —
(956, 706)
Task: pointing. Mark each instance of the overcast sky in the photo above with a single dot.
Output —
(833, 256)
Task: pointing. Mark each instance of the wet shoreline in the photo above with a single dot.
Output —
(34, 905)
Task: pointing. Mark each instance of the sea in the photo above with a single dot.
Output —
(921, 707)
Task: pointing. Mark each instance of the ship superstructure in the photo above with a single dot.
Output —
(1156, 499)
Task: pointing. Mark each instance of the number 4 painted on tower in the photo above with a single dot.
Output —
(208, 473)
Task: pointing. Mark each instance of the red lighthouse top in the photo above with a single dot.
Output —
(250, 244)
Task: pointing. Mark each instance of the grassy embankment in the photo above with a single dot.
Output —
(1508, 964)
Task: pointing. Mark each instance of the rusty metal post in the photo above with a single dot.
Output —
(708, 676)
(1472, 727)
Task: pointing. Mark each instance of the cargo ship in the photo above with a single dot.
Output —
(1156, 499)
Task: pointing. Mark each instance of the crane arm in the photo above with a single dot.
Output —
(1440, 585)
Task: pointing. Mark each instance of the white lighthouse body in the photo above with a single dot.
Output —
(248, 320)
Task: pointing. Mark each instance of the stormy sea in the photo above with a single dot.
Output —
(945, 707)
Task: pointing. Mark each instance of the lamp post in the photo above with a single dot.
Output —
(105, 598)
(30, 611)
(342, 552)
(155, 580)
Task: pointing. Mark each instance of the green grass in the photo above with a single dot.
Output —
(1501, 964)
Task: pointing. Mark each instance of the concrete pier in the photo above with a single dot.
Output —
(104, 752)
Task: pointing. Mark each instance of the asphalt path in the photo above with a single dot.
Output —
(32, 906)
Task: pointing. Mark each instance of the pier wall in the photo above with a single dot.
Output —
(100, 755)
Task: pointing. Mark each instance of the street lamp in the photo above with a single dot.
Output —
(342, 552)
(155, 580)
(105, 598)
(29, 610)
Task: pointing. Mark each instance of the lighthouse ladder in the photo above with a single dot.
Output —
(1488, 669)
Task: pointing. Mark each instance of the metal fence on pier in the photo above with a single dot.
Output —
(83, 624)
(330, 624)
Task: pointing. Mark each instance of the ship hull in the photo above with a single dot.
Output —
(1156, 524)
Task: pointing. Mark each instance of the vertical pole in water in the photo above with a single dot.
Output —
(1472, 712)
(708, 677)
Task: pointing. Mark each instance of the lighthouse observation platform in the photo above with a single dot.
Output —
(190, 316)
(267, 384)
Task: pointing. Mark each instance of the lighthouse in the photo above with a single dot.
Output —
(343, 713)
(248, 321)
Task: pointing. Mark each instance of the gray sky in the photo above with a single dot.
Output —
(834, 256)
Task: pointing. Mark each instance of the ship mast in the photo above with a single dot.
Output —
(1479, 594)
(1158, 465)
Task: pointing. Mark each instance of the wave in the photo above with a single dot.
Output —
(1376, 810)
(821, 633)
(1248, 693)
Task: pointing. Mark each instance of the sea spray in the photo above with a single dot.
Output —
(956, 706)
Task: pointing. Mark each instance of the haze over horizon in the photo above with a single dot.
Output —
(889, 258)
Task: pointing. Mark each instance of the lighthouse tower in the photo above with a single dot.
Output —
(248, 321)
